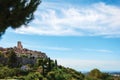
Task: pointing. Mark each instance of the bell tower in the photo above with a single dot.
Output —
(19, 45)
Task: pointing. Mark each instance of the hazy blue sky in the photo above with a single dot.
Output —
(82, 34)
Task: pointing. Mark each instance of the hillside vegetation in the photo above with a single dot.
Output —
(44, 69)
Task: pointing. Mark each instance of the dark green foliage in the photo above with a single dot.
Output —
(23, 55)
(16, 13)
(64, 74)
(34, 76)
(43, 70)
(52, 71)
(12, 59)
(39, 62)
(4, 72)
(1, 54)
(8, 72)
(49, 64)
(56, 64)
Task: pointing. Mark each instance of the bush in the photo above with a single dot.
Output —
(34, 76)
(7, 72)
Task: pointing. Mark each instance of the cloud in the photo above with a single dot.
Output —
(58, 48)
(54, 48)
(97, 50)
(97, 19)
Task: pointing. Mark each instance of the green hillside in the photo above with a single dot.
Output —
(43, 69)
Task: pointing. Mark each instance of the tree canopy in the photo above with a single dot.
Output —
(14, 13)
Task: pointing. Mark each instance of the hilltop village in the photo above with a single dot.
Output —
(19, 50)
(23, 56)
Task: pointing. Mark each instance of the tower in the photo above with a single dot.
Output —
(19, 45)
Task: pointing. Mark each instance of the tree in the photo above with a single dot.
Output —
(49, 64)
(16, 13)
(43, 70)
(1, 54)
(7, 72)
(39, 62)
(95, 73)
(12, 59)
(56, 64)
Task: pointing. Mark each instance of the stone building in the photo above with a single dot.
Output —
(19, 45)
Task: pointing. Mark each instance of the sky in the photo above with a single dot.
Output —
(80, 34)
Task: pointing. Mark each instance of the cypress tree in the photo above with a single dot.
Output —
(49, 64)
(43, 70)
(55, 63)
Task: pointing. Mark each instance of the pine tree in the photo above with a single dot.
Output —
(16, 13)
